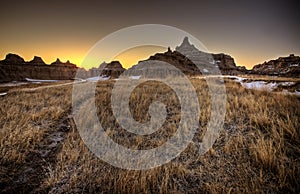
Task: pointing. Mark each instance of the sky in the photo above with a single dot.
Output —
(250, 31)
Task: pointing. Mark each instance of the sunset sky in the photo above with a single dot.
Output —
(250, 31)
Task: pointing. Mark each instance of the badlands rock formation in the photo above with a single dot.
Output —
(190, 61)
(14, 68)
(283, 66)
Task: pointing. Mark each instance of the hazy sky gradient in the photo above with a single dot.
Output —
(250, 31)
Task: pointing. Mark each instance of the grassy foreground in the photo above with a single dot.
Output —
(42, 152)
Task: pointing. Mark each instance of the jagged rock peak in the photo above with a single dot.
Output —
(57, 61)
(114, 64)
(186, 41)
(37, 61)
(66, 64)
(102, 65)
(13, 59)
(185, 45)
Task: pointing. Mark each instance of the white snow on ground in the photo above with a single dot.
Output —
(97, 78)
(135, 77)
(287, 83)
(256, 85)
(205, 70)
(285, 92)
(259, 85)
(263, 85)
(236, 78)
(14, 83)
(3, 94)
(41, 80)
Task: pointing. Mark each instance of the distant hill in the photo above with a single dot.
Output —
(283, 66)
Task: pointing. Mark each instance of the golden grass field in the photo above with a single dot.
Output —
(258, 150)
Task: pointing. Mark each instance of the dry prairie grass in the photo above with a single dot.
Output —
(257, 151)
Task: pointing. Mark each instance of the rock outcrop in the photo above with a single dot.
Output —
(283, 66)
(12, 59)
(208, 62)
(113, 70)
(36, 61)
(14, 68)
(191, 61)
(186, 58)
(227, 65)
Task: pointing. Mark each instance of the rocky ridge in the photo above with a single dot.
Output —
(15, 68)
(186, 58)
(283, 66)
(190, 61)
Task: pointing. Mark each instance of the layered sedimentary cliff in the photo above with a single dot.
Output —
(190, 61)
(186, 58)
(283, 66)
(113, 70)
(14, 68)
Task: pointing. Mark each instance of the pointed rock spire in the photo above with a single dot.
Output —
(36, 61)
(186, 45)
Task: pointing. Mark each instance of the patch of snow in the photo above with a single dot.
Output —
(14, 83)
(286, 83)
(40, 80)
(259, 85)
(286, 92)
(205, 70)
(97, 78)
(3, 94)
(79, 80)
(236, 78)
(135, 77)
(294, 65)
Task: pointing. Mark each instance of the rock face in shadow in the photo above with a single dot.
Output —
(227, 65)
(186, 58)
(113, 70)
(11, 59)
(37, 61)
(283, 66)
(191, 61)
(14, 68)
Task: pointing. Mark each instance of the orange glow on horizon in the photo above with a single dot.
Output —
(127, 58)
(132, 56)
